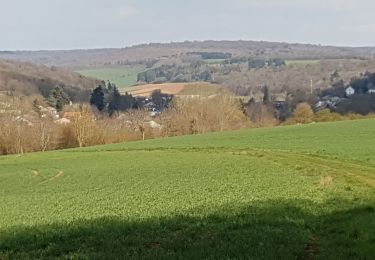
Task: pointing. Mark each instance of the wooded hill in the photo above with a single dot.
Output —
(121, 56)
(21, 78)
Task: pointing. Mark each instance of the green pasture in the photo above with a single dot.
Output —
(123, 76)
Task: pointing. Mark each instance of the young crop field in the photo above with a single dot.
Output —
(305, 192)
(123, 76)
(215, 61)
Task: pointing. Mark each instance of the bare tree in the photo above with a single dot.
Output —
(45, 133)
(137, 118)
(192, 115)
(85, 130)
(14, 127)
(262, 115)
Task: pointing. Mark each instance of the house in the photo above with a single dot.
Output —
(350, 91)
(321, 105)
(328, 101)
(279, 97)
(154, 125)
(48, 112)
(154, 112)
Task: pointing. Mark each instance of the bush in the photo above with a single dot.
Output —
(327, 115)
(303, 114)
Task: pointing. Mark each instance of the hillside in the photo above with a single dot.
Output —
(233, 64)
(291, 192)
(108, 57)
(29, 79)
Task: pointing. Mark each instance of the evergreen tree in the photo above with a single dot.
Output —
(110, 86)
(115, 100)
(58, 98)
(97, 98)
(127, 101)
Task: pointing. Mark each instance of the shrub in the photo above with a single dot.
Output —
(327, 115)
(303, 114)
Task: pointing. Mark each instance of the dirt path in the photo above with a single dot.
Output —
(58, 175)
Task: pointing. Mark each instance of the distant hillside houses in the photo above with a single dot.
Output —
(350, 91)
(48, 112)
(357, 97)
(330, 102)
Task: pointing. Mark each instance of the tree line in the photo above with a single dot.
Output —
(195, 71)
(110, 117)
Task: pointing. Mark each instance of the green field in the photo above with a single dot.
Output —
(123, 76)
(214, 61)
(289, 192)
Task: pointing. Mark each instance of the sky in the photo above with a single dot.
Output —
(85, 24)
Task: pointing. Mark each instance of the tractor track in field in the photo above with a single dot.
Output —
(55, 177)
(318, 165)
(301, 161)
(353, 171)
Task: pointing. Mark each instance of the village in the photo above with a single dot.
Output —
(340, 94)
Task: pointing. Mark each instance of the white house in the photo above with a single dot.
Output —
(154, 125)
(350, 91)
(48, 111)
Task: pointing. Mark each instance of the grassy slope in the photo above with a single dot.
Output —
(123, 76)
(261, 193)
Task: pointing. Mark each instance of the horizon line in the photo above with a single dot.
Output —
(181, 42)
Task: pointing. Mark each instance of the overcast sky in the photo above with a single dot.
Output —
(72, 24)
